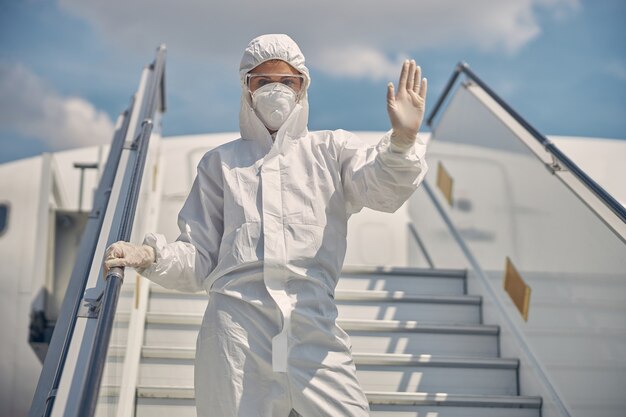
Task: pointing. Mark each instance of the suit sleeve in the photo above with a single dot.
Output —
(379, 177)
(183, 265)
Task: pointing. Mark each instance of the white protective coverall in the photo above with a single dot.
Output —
(263, 231)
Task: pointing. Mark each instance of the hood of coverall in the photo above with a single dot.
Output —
(265, 48)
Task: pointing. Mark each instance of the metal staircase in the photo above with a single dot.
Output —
(419, 345)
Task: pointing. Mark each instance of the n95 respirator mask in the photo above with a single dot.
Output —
(273, 103)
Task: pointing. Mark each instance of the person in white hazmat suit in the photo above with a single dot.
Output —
(263, 232)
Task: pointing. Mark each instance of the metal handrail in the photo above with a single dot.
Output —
(413, 231)
(115, 276)
(56, 358)
(482, 276)
(462, 67)
(114, 279)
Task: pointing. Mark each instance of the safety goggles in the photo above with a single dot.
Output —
(293, 81)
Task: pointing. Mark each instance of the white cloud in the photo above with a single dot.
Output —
(351, 32)
(31, 108)
(561, 9)
(358, 62)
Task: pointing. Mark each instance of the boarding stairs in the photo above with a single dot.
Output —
(427, 340)
(419, 345)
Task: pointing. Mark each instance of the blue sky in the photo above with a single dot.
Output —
(69, 67)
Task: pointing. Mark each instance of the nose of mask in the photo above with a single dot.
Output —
(276, 117)
(273, 103)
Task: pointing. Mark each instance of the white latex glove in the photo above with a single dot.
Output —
(406, 108)
(126, 254)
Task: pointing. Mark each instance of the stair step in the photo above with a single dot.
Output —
(126, 299)
(112, 373)
(381, 372)
(119, 332)
(106, 405)
(403, 296)
(352, 324)
(438, 377)
(168, 352)
(420, 349)
(157, 400)
(168, 407)
(411, 337)
(398, 305)
(361, 304)
(416, 326)
(401, 404)
(439, 411)
(424, 398)
(165, 352)
(371, 336)
(341, 295)
(349, 270)
(412, 280)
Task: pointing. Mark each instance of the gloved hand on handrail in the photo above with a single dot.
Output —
(123, 254)
(406, 108)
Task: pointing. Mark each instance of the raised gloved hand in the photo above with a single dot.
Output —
(126, 254)
(406, 108)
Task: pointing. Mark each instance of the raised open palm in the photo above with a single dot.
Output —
(406, 107)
